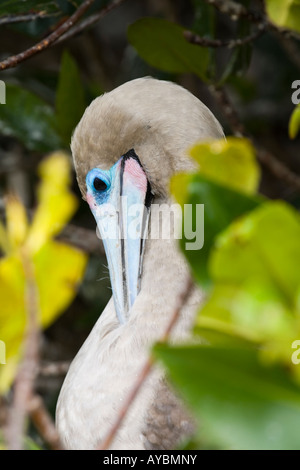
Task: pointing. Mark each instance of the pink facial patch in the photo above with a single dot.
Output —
(134, 174)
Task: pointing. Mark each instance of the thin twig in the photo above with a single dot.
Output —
(11, 19)
(291, 48)
(88, 22)
(49, 40)
(54, 368)
(44, 423)
(276, 167)
(230, 43)
(228, 110)
(83, 238)
(24, 381)
(146, 368)
(124, 410)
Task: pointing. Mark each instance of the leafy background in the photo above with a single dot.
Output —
(239, 382)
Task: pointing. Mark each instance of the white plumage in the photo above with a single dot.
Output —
(160, 121)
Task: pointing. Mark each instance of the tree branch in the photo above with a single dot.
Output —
(230, 43)
(43, 423)
(236, 10)
(11, 19)
(53, 369)
(49, 40)
(83, 238)
(146, 369)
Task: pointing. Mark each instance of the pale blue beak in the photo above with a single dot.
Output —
(120, 200)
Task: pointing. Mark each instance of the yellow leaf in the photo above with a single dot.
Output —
(179, 187)
(12, 315)
(55, 170)
(230, 162)
(4, 241)
(56, 204)
(58, 270)
(284, 13)
(16, 221)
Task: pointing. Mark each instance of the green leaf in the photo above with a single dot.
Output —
(256, 283)
(162, 44)
(222, 205)
(264, 245)
(228, 176)
(70, 100)
(238, 402)
(254, 312)
(294, 122)
(29, 119)
(284, 13)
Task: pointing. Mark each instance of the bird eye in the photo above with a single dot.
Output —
(99, 184)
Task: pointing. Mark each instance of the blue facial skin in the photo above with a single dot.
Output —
(101, 196)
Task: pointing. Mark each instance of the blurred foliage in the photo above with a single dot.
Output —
(239, 379)
(29, 119)
(162, 44)
(234, 163)
(240, 403)
(70, 99)
(285, 13)
(38, 125)
(10, 7)
(223, 204)
(57, 267)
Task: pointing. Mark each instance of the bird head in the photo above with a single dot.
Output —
(126, 147)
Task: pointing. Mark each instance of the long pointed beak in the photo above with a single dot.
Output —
(119, 200)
